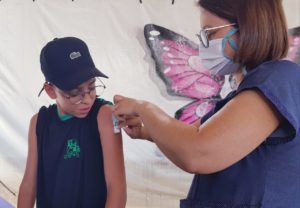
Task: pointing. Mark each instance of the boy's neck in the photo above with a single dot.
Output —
(63, 116)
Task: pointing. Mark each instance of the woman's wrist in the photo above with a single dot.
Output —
(140, 107)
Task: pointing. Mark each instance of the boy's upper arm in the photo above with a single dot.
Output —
(27, 191)
(32, 146)
(32, 155)
(111, 145)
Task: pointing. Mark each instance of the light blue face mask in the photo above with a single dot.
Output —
(214, 59)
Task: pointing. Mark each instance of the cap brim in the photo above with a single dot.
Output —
(75, 79)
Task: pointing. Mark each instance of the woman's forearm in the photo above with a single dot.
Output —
(174, 138)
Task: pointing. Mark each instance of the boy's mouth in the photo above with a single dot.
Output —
(84, 110)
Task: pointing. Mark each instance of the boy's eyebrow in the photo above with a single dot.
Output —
(89, 83)
(80, 88)
(92, 81)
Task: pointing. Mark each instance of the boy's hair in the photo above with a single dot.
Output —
(262, 28)
(66, 63)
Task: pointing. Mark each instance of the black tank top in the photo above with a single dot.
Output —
(70, 160)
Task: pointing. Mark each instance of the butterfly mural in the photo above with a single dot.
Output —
(294, 40)
(177, 63)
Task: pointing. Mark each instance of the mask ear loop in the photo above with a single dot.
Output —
(232, 43)
(244, 71)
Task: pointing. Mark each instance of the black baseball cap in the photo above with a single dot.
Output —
(66, 62)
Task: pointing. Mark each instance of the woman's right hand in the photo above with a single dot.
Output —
(129, 120)
(133, 126)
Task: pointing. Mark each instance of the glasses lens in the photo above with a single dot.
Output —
(75, 99)
(99, 89)
(93, 92)
(203, 38)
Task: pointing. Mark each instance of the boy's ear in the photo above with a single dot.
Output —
(50, 90)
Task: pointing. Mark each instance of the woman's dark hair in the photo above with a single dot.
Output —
(262, 28)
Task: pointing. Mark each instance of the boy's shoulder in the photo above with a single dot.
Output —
(101, 101)
(33, 120)
(46, 110)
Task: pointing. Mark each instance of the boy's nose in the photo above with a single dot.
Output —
(87, 98)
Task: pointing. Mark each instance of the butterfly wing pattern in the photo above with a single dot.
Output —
(294, 40)
(177, 64)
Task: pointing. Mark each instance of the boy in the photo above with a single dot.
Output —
(75, 160)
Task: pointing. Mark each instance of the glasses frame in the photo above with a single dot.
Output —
(203, 34)
(83, 93)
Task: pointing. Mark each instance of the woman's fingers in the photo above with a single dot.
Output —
(119, 116)
(130, 132)
(133, 121)
(117, 98)
(124, 106)
(130, 121)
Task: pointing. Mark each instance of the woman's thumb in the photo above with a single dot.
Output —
(117, 98)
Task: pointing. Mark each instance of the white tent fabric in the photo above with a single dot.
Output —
(113, 30)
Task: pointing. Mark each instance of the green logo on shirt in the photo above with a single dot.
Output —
(73, 149)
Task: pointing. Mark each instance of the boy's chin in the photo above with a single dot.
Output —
(82, 115)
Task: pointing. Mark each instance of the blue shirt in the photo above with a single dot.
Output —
(269, 176)
(70, 160)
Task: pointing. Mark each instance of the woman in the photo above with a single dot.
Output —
(245, 153)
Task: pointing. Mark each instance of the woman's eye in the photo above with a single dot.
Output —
(210, 35)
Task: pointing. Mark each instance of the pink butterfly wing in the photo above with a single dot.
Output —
(195, 110)
(294, 41)
(187, 76)
(178, 64)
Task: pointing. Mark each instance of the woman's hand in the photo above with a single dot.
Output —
(131, 123)
(124, 107)
(133, 126)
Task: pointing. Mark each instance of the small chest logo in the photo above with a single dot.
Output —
(73, 149)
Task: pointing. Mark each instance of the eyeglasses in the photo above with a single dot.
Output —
(204, 33)
(77, 98)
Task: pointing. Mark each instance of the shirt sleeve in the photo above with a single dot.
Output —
(279, 82)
